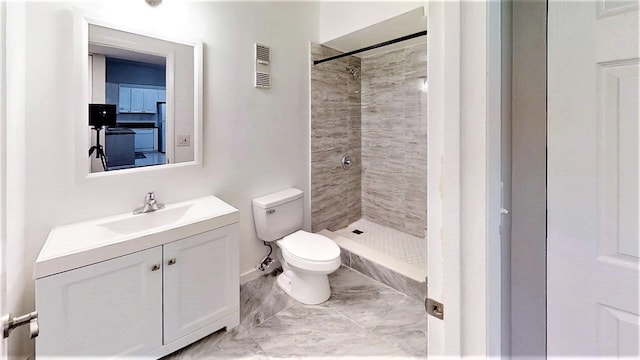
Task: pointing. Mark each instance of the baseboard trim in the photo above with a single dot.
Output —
(249, 275)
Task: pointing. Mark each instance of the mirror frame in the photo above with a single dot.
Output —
(82, 20)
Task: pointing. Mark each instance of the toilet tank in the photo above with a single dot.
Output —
(279, 214)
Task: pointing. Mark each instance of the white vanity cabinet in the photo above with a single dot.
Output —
(109, 308)
(196, 289)
(146, 296)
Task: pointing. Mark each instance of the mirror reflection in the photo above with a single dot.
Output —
(132, 121)
(135, 85)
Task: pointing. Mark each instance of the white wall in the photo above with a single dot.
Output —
(16, 269)
(97, 81)
(98, 78)
(341, 18)
(255, 141)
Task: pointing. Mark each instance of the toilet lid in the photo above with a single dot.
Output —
(310, 246)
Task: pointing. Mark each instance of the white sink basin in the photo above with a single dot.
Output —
(143, 222)
(75, 245)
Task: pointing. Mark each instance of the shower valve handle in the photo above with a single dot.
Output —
(346, 162)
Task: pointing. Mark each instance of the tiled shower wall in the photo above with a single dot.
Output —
(394, 134)
(335, 132)
(379, 119)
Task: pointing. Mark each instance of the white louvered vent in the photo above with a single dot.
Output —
(263, 54)
(263, 80)
(262, 64)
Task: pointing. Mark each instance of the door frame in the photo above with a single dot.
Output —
(527, 246)
(464, 164)
(3, 163)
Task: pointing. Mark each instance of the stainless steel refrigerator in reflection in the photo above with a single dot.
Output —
(162, 126)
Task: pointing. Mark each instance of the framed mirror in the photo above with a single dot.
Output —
(140, 99)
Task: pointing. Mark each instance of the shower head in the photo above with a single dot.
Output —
(353, 71)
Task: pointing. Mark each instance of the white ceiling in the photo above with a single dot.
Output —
(126, 54)
(408, 23)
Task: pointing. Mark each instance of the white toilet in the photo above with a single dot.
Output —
(307, 258)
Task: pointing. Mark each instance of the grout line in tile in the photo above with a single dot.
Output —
(348, 318)
(267, 354)
(378, 281)
(383, 339)
(266, 319)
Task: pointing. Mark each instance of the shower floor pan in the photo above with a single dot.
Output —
(394, 250)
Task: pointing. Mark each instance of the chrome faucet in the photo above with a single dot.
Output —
(150, 204)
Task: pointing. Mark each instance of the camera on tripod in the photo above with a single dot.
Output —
(101, 115)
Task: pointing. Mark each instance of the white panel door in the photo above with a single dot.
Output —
(112, 308)
(593, 171)
(200, 281)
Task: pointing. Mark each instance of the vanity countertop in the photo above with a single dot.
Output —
(137, 124)
(119, 131)
(88, 242)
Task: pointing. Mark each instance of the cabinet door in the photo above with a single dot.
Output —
(162, 95)
(124, 100)
(200, 281)
(144, 139)
(150, 100)
(137, 100)
(112, 308)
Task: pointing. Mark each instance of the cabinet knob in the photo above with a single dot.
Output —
(171, 261)
(155, 267)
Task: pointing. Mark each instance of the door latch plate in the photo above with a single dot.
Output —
(434, 308)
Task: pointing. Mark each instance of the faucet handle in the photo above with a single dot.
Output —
(150, 197)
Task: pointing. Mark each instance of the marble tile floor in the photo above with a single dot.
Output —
(363, 319)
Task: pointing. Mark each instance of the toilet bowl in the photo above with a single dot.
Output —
(306, 258)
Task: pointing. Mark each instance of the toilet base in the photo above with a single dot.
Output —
(307, 288)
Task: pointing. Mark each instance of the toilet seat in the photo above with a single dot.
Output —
(309, 246)
(312, 252)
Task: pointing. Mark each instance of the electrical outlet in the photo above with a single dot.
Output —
(184, 140)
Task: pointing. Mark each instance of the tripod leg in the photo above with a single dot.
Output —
(102, 157)
(104, 163)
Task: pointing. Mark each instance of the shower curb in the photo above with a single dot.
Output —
(368, 267)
